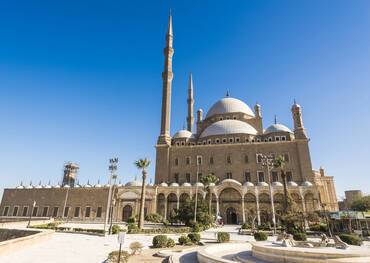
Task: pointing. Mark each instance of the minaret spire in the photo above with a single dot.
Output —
(167, 76)
(190, 118)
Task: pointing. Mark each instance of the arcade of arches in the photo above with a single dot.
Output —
(234, 203)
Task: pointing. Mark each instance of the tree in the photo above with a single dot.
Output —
(279, 163)
(207, 180)
(362, 204)
(185, 213)
(142, 164)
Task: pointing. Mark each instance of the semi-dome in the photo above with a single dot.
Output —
(306, 183)
(277, 184)
(248, 184)
(225, 127)
(182, 134)
(164, 184)
(134, 183)
(262, 184)
(291, 183)
(277, 128)
(228, 180)
(199, 184)
(186, 184)
(174, 184)
(229, 105)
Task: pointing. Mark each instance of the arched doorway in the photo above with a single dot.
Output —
(126, 212)
(231, 216)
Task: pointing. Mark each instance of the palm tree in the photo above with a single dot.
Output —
(280, 164)
(142, 164)
(207, 180)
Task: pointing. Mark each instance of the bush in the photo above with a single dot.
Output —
(223, 237)
(351, 239)
(196, 227)
(163, 230)
(319, 228)
(185, 240)
(260, 236)
(132, 227)
(300, 237)
(113, 256)
(194, 237)
(165, 222)
(156, 218)
(136, 247)
(116, 229)
(170, 242)
(160, 241)
(131, 220)
(245, 226)
(264, 227)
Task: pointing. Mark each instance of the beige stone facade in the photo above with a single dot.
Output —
(229, 142)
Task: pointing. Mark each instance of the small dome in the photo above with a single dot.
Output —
(229, 105)
(291, 183)
(277, 128)
(88, 185)
(20, 186)
(248, 184)
(277, 184)
(98, 185)
(212, 184)
(306, 183)
(57, 186)
(199, 184)
(186, 184)
(225, 127)
(77, 186)
(39, 186)
(134, 183)
(174, 184)
(182, 134)
(230, 181)
(262, 184)
(66, 186)
(163, 184)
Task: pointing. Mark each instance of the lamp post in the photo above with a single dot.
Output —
(33, 208)
(268, 163)
(112, 168)
(112, 203)
(199, 160)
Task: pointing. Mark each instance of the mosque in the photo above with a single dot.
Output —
(229, 141)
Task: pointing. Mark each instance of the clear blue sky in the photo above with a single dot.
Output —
(81, 80)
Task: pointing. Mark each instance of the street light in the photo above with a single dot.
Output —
(33, 208)
(268, 163)
(199, 162)
(112, 168)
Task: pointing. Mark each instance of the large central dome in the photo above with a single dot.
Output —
(229, 105)
(226, 127)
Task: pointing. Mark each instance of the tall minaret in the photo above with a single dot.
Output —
(299, 130)
(190, 118)
(167, 76)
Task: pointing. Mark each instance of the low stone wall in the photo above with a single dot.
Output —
(23, 222)
(270, 252)
(21, 239)
(209, 254)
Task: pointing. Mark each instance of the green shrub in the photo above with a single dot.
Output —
(170, 242)
(163, 230)
(131, 220)
(160, 241)
(300, 237)
(260, 236)
(78, 229)
(136, 247)
(223, 237)
(156, 218)
(116, 229)
(351, 239)
(196, 227)
(132, 227)
(185, 240)
(264, 227)
(319, 228)
(165, 222)
(113, 256)
(194, 237)
(245, 226)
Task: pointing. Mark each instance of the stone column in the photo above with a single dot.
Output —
(258, 207)
(165, 207)
(155, 200)
(178, 202)
(303, 207)
(243, 209)
(217, 206)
